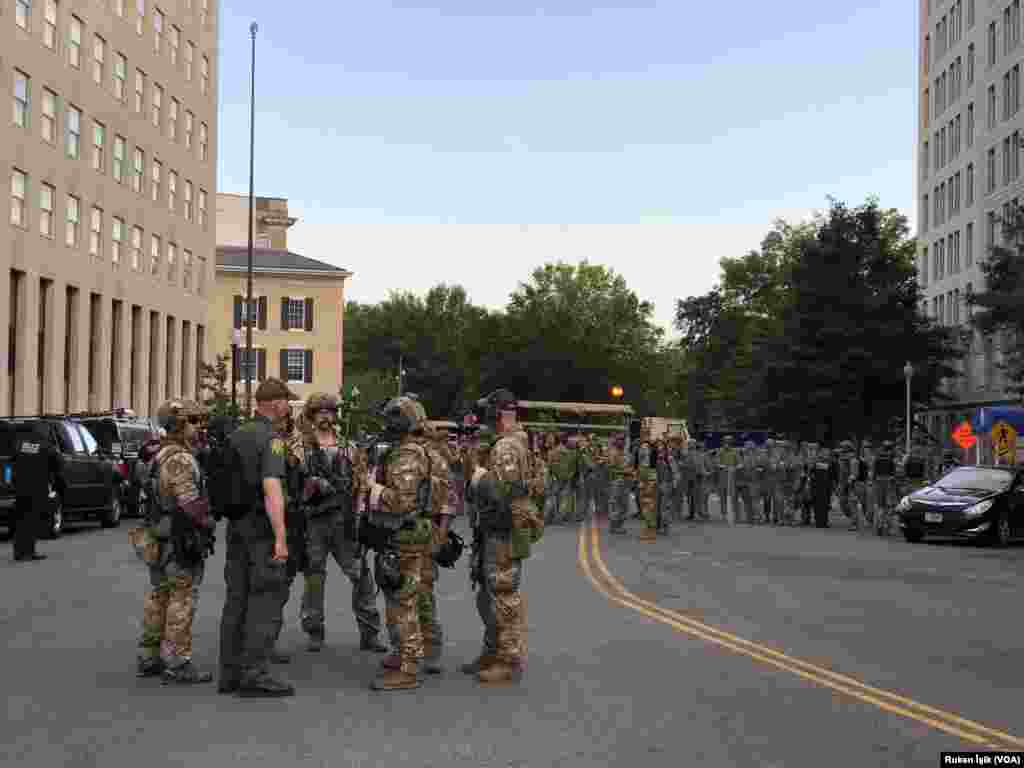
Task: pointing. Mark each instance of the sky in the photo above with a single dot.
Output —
(470, 142)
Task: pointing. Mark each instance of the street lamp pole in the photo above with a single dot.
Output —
(236, 338)
(400, 373)
(249, 308)
(908, 372)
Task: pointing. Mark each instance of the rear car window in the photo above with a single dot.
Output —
(105, 432)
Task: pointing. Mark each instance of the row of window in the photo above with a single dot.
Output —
(72, 43)
(946, 199)
(49, 100)
(295, 365)
(945, 253)
(296, 313)
(73, 212)
(946, 307)
(949, 86)
(949, 30)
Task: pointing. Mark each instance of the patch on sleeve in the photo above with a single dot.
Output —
(277, 447)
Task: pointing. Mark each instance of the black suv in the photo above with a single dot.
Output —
(83, 482)
(121, 436)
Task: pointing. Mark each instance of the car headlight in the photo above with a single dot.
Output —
(979, 509)
(904, 504)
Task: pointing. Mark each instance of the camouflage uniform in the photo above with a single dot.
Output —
(746, 472)
(844, 489)
(564, 467)
(395, 503)
(175, 546)
(700, 470)
(619, 477)
(442, 507)
(647, 488)
(666, 477)
(769, 460)
(862, 485)
(883, 473)
(584, 478)
(601, 478)
(728, 460)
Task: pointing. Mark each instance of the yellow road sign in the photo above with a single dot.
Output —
(1004, 439)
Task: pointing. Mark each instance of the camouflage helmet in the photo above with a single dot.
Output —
(319, 401)
(172, 415)
(403, 415)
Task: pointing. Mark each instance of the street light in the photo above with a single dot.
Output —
(236, 342)
(616, 392)
(249, 314)
(908, 372)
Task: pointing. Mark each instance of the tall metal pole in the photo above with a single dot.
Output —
(400, 375)
(250, 363)
(908, 372)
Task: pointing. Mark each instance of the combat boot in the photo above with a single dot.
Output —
(431, 663)
(482, 661)
(395, 680)
(647, 533)
(152, 666)
(500, 672)
(372, 643)
(262, 686)
(316, 642)
(186, 674)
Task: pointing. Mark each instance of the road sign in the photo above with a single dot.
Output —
(963, 436)
(1004, 438)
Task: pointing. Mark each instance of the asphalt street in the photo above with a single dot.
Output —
(715, 646)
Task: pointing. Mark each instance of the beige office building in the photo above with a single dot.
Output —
(108, 151)
(969, 134)
(298, 302)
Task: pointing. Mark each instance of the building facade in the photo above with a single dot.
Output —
(969, 146)
(109, 155)
(271, 221)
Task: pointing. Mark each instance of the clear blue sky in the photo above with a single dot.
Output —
(690, 125)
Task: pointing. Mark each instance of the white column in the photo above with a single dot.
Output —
(26, 382)
(188, 361)
(140, 341)
(158, 360)
(54, 345)
(99, 398)
(78, 362)
(173, 357)
(123, 361)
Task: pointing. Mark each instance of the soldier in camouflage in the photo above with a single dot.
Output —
(618, 475)
(479, 455)
(666, 475)
(728, 461)
(177, 539)
(845, 486)
(746, 479)
(700, 468)
(327, 503)
(644, 458)
(883, 474)
(862, 485)
(552, 485)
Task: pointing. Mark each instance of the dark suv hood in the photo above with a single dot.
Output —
(952, 498)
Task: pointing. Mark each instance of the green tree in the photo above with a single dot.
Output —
(215, 388)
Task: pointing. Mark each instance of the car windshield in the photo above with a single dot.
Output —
(976, 479)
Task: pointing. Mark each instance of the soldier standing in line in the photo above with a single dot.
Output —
(822, 485)
(690, 461)
(845, 480)
(728, 461)
(785, 474)
(862, 484)
(618, 471)
(553, 485)
(665, 488)
(805, 492)
(479, 455)
(175, 543)
(883, 474)
(770, 458)
(745, 478)
(565, 468)
(644, 466)
(703, 480)
(584, 478)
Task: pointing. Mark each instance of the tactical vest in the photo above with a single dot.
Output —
(333, 465)
(157, 505)
(423, 495)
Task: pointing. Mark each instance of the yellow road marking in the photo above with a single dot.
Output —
(896, 704)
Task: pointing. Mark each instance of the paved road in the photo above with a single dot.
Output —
(606, 684)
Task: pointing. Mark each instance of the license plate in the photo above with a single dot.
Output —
(933, 517)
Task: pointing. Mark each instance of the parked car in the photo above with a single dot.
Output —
(83, 484)
(975, 502)
(120, 437)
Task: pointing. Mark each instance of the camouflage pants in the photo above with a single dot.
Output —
(665, 493)
(401, 607)
(618, 504)
(426, 603)
(864, 507)
(552, 501)
(602, 493)
(647, 498)
(567, 503)
(768, 494)
(744, 503)
(698, 498)
(502, 581)
(325, 537)
(168, 611)
(884, 502)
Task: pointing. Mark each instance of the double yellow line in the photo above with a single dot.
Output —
(590, 560)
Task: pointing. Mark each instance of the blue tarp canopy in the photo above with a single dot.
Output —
(985, 418)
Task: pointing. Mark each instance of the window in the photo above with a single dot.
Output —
(956, 250)
(140, 87)
(204, 74)
(202, 208)
(1006, 96)
(924, 160)
(172, 258)
(154, 255)
(118, 169)
(927, 107)
(46, 197)
(990, 229)
(75, 43)
(172, 120)
(136, 247)
(970, 65)
(927, 52)
(175, 44)
(295, 364)
(99, 55)
(99, 140)
(970, 125)
(992, 44)
(71, 225)
(96, 232)
(116, 236)
(923, 270)
(204, 139)
(50, 24)
(190, 55)
(1015, 89)
(158, 29)
(74, 132)
(990, 159)
(140, 17)
(21, 90)
(172, 191)
(250, 367)
(956, 193)
(1006, 31)
(158, 104)
(1006, 161)
(120, 73)
(21, 13)
(188, 201)
(49, 121)
(155, 170)
(138, 169)
(1015, 23)
(186, 271)
(295, 313)
(969, 244)
(189, 120)
(969, 194)
(991, 107)
(924, 214)
(19, 185)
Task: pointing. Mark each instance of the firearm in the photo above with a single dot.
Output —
(295, 516)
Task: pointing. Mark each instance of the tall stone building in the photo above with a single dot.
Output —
(969, 145)
(109, 154)
(298, 302)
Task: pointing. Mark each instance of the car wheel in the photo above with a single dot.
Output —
(1001, 532)
(54, 520)
(112, 515)
(912, 535)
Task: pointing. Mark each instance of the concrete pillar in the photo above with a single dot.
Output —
(99, 397)
(188, 361)
(5, 347)
(123, 355)
(157, 360)
(78, 350)
(54, 345)
(140, 371)
(172, 344)
(26, 365)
